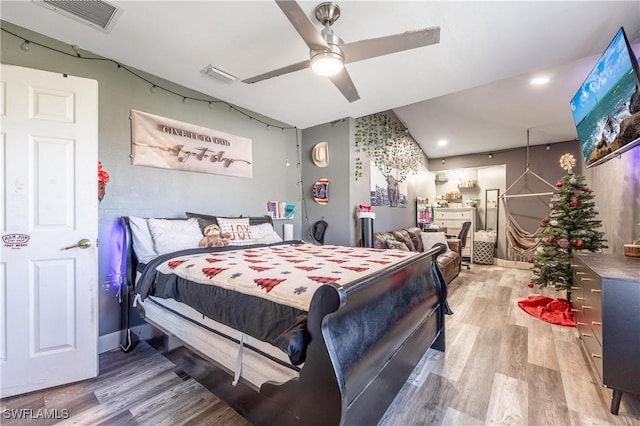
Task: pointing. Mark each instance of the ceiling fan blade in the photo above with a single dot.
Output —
(302, 24)
(343, 82)
(366, 49)
(280, 71)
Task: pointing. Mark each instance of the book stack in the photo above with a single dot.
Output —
(280, 210)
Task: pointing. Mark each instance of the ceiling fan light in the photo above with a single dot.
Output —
(327, 63)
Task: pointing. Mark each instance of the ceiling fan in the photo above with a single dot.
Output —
(329, 54)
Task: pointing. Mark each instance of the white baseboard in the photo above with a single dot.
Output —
(513, 264)
(111, 341)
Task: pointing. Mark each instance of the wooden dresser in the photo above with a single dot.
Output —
(606, 307)
(452, 218)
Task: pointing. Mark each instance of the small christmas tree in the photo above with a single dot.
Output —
(571, 226)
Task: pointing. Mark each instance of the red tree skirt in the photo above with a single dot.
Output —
(554, 311)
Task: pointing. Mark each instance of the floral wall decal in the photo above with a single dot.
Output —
(386, 142)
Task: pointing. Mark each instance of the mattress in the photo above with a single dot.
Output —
(264, 291)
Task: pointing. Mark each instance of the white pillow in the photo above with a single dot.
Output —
(431, 238)
(264, 234)
(141, 239)
(174, 235)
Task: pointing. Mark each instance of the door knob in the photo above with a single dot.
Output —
(84, 243)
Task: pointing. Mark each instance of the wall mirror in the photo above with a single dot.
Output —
(491, 210)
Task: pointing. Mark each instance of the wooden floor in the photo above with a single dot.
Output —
(501, 367)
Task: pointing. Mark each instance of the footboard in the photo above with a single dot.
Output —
(367, 338)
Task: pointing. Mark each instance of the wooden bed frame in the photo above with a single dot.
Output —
(366, 339)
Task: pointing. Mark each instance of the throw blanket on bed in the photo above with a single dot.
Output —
(285, 274)
(264, 291)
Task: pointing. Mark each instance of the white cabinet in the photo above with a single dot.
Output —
(452, 219)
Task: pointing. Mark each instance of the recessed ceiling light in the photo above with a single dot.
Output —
(539, 81)
(443, 142)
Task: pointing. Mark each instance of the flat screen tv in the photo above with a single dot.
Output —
(606, 108)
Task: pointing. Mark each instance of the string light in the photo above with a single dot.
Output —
(25, 46)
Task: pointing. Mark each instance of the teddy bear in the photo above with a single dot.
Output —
(213, 237)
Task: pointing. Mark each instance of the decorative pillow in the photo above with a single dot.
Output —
(264, 234)
(141, 239)
(238, 228)
(174, 235)
(204, 220)
(398, 245)
(429, 239)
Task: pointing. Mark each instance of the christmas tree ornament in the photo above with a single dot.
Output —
(530, 260)
(559, 184)
(573, 181)
(579, 244)
(530, 285)
(550, 240)
(553, 223)
(574, 203)
(563, 242)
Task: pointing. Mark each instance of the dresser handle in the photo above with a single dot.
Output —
(596, 323)
(579, 298)
(596, 356)
(596, 290)
(575, 288)
(575, 310)
(587, 335)
(580, 273)
(581, 323)
(586, 279)
(586, 307)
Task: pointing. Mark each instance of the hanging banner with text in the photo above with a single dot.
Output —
(170, 144)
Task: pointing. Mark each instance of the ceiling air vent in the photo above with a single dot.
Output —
(97, 14)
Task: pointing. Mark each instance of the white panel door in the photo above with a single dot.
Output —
(48, 294)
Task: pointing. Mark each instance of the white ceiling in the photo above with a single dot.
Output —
(471, 89)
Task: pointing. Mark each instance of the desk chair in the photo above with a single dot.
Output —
(462, 236)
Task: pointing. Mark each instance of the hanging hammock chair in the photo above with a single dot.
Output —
(521, 243)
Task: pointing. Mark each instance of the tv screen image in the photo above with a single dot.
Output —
(606, 108)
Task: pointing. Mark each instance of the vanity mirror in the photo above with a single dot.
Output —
(491, 210)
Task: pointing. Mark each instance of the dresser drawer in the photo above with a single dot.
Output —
(593, 350)
(452, 214)
(591, 300)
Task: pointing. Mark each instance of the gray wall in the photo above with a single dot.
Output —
(527, 211)
(345, 192)
(337, 212)
(152, 192)
(616, 185)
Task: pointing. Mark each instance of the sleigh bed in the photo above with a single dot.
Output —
(335, 331)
